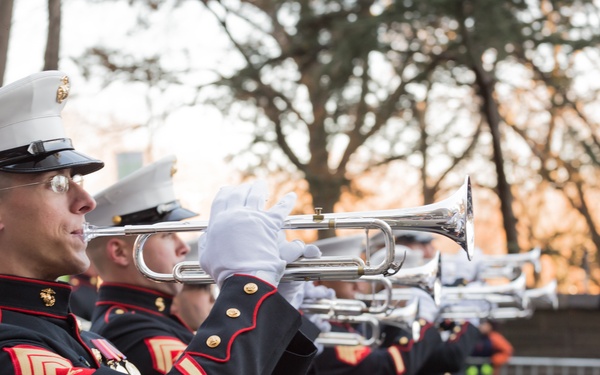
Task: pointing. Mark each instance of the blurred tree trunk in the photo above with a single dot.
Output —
(485, 84)
(6, 11)
(325, 193)
(53, 42)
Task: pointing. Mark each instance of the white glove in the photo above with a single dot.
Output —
(321, 323)
(313, 292)
(428, 310)
(293, 250)
(316, 292)
(293, 291)
(242, 237)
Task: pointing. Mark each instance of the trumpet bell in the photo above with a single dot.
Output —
(427, 277)
(451, 217)
(544, 296)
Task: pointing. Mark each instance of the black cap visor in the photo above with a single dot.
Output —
(171, 211)
(78, 162)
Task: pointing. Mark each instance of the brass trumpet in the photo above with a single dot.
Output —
(508, 265)
(514, 289)
(544, 296)
(347, 311)
(427, 277)
(452, 217)
(351, 338)
(356, 306)
(503, 301)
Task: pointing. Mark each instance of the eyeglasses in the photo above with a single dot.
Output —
(58, 184)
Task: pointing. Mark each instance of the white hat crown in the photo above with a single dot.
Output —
(32, 136)
(146, 195)
(30, 109)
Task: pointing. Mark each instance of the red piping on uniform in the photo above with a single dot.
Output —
(38, 281)
(31, 312)
(230, 343)
(135, 287)
(128, 307)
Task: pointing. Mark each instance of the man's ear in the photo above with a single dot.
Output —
(119, 252)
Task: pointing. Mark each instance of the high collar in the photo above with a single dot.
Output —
(34, 296)
(83, 280)
(136, 297)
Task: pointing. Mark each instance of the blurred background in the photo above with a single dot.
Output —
(355, 105)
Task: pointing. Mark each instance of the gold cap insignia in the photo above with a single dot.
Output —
(47, 295)
(173, 170)
(63, 90)
(160, 304)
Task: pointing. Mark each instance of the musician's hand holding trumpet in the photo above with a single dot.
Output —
(245, 238)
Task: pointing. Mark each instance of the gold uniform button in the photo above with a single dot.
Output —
(452, 337)
(213, 341)
(456, 329)
(250, 288)
(119, 312)
(403, 340)
(233, 313)
(422, 321)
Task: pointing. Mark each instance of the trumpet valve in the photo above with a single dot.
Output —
(318, 216)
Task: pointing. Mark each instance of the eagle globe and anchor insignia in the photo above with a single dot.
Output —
(63, 90)
(47, 296)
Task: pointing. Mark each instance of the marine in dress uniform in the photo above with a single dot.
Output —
(458, 337)
(131, 311)
(399, 353)
(451, 354)
(42, 210)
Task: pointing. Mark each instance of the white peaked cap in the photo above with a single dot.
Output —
(32, 136)
(341, 246)
(146, 196)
